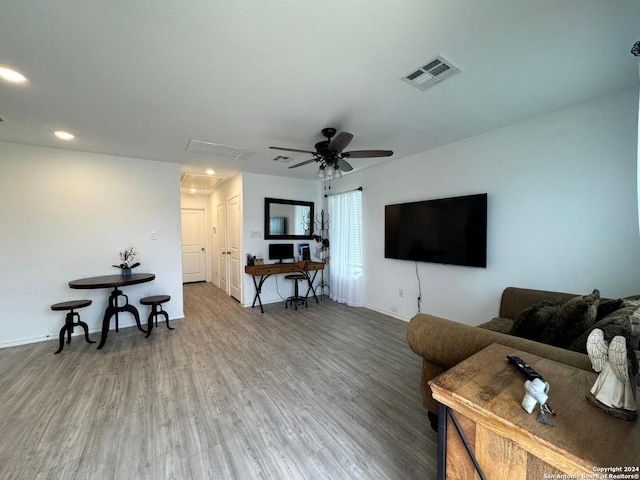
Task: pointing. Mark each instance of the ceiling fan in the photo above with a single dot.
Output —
(329, 153)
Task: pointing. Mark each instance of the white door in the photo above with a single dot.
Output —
(235, 245)
(193, 246)
(223, 264)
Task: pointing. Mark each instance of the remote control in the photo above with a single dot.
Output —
(524, 367)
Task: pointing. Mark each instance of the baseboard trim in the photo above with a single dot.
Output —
(385, 312)
(78, 332)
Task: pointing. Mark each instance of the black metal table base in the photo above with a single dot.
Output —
(114, 309)
(258, 284)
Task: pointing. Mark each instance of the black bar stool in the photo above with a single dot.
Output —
(296, 277)
(156, 302)
(69, 324)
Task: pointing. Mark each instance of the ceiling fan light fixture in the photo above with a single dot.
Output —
(330, 173)
(321, 172)
(337, 173)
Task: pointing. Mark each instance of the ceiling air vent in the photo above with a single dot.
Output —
(201, 147)
(281, 158)
(199, 183)
(431, 73)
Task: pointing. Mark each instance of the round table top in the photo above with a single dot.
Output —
(111, 281)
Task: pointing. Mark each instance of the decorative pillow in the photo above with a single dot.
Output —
(571, 320)
(532, 321)
(619, 317)
(608, 307)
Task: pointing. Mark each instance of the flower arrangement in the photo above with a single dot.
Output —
(126, 258)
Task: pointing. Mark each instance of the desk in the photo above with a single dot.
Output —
(483, 393)
(261, 272)
(114, 281)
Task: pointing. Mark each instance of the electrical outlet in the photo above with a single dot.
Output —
(401, 293)
(154, 235)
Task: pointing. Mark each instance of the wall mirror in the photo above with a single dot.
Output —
(287, 219)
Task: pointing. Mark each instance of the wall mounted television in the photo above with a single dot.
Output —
(448, 231)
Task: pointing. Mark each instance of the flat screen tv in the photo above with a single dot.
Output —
(447, 231)
(280, 251)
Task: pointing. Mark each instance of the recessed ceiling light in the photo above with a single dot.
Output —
(210, 172)
(11, 75)
(62, 135)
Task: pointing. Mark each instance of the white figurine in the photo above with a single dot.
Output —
(613, 391)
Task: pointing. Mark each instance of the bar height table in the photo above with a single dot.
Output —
(114, 281)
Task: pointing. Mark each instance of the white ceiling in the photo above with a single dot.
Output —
(141, 79)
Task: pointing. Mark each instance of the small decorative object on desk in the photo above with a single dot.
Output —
(614, 391)
(126, 259)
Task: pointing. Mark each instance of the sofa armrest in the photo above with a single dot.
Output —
(447, 343)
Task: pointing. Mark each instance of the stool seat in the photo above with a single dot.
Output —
(156, 302)
(69, 322)
(295, 276)
(70, 305)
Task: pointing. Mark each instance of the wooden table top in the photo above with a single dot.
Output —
(278, 268)
(488, 389)
(111, 281)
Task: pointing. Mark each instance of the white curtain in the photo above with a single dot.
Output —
(345, 243)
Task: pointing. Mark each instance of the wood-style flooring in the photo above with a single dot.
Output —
(326, 392)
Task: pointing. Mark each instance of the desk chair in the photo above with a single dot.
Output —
(296, 277)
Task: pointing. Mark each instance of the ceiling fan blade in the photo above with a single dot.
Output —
(367, 153)
(303, 163)
(292, 150)
(340, 142)
(344, 165)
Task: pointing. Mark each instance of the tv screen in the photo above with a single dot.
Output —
(448, 231)
(280, 251)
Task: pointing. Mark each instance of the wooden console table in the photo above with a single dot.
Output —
(482, 396)
(261, 272)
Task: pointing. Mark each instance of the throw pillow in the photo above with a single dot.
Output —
(532, 321)
(573, 318)
(619, 317)
(608, 307)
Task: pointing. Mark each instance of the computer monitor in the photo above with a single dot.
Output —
(280, 251)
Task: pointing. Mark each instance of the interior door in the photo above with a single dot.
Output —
(235, 241)
(193, 245)
(223, 264)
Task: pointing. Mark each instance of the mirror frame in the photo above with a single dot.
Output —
(267, 207)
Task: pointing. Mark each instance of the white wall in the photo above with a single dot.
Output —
(562, 211)
(67, 215)
(255, 189)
